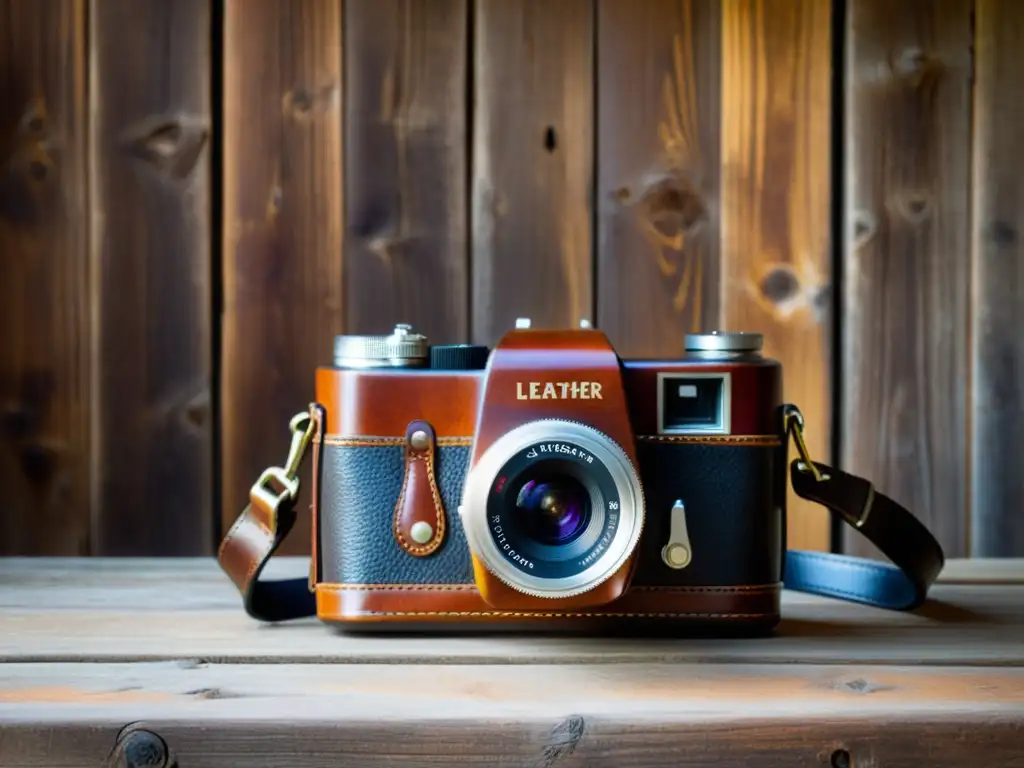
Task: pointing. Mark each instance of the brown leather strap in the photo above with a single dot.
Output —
(252, 541)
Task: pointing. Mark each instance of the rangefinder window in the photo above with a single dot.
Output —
(693, 404)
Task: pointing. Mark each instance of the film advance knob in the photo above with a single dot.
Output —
(403, 347)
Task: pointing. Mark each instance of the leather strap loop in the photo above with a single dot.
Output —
(916, 555)
(253, 540)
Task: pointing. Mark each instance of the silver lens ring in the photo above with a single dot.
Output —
(619, 521)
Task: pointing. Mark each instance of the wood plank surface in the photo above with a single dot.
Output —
(658, 147)
(997, 299)
(775, 207)
(282, 238)
(45, 302)
(599, 715)
(405, 167)
(532, 165)
(906, 252)
(125, 610)
(150, 233)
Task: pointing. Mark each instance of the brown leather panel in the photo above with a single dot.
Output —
(245, 546)
(431, 603)
(382, 403)
(585, 380)
(420, 500)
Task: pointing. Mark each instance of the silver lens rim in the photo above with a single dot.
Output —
(624, 475)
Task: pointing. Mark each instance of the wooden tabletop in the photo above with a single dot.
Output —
(160, 654)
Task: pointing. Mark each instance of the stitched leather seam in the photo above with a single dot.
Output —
(535, 615)
(388, 442)
(752, 590)
(230, 534)
(870, 567)
(752, 440)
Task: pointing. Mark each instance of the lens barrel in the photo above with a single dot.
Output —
(553, 508)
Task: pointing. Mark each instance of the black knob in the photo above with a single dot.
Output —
(459, 357)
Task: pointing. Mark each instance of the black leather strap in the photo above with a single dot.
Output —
(916, 556)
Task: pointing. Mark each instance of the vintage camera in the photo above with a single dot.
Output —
(548, 482)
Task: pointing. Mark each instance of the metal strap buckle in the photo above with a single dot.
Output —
(265, 495)
(794, 421)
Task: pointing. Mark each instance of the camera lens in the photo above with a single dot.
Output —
(553, 510)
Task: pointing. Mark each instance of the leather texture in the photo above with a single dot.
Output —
(731, 492)
(359, 487)
(733, 501)
(419, 503)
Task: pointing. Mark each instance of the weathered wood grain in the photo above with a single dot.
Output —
(906, 258)
(596, 715)
(775, 207)
(658, 138)
(997, 299)
(282, 236)
(123, 611)
(406, 75)
(45, 302)
(150, 233)
(532, 165)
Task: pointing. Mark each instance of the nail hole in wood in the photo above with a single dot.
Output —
(779, 285)
(550, 141)
(840, 759)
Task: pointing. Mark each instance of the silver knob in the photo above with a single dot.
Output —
(403, 347)
(724, 341)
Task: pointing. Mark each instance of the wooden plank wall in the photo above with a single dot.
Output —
(195, 197)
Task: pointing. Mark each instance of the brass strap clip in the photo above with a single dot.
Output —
(794, 422)
(262, 493)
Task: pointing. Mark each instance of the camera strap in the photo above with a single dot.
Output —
(917, 558)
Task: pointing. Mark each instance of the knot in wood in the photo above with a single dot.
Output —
(139, 748)
(673, 207)
(915, 206)
(563, 741)
(172, 146)
(864, 227)
(1002, 233)
(780, 285)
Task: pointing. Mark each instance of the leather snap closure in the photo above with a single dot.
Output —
(421, 532)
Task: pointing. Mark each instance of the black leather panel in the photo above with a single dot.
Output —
(359, 489)
(734, 512)
(734, 497)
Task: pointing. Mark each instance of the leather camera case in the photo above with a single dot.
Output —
(404, 488)
(726, 489)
